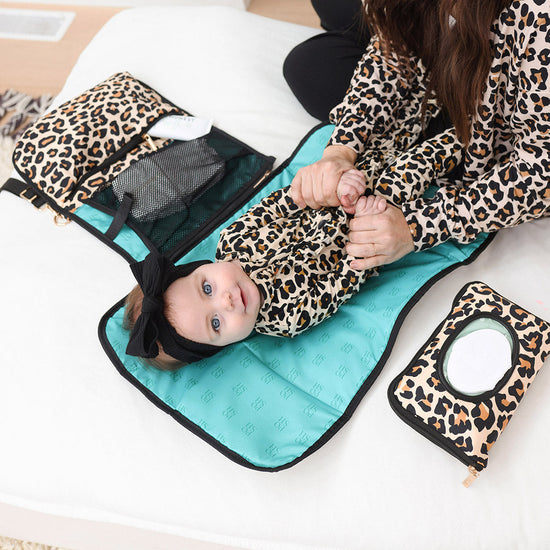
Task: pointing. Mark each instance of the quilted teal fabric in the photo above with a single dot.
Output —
(269, 402)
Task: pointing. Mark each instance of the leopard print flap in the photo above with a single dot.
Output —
(77, 148)
(468, 426)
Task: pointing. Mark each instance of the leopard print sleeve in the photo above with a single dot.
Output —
(409, 175)
(507, 164)
(382, 95)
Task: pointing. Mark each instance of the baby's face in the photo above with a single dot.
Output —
(216, 304)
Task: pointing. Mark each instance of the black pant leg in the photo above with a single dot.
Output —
(339, 15)
(318, 71)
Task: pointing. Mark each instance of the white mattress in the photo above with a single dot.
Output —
(79, 441)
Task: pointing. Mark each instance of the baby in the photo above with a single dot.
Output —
(279, 270)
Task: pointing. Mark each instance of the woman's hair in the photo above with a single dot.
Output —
(457, 56)
(131, 313)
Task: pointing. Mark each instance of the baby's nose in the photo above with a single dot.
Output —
(228, 300)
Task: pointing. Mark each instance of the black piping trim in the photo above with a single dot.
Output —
(340, 422)
(420, 427)
(183, 420)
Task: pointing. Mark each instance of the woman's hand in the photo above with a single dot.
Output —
(378, 239)
(316, 185)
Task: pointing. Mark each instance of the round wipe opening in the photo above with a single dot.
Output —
(478, 358)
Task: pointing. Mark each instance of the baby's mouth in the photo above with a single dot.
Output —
(243, 298)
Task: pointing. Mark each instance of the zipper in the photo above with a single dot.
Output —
(420, 427)
(131, 144)
(150, 142)
(61, 220)
(473, 475)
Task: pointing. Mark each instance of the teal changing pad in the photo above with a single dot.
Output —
(268, 402)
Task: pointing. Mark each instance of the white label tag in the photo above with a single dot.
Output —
(183, 128)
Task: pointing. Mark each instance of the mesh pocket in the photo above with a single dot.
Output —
(170, 228)
(168, 181)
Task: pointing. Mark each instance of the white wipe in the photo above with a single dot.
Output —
(183, 128)
(478, 361)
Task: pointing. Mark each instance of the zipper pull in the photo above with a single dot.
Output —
(150, 142)
(474, 474)
(265, 175)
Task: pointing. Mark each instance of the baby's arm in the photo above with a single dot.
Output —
(248, 235)
(351, 186)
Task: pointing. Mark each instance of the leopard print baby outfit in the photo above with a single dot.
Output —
(507, 163)
(296, 258)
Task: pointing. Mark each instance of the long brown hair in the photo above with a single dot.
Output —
(458, 57)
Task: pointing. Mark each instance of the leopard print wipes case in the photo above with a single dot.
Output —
(79, 147)
(460, 391)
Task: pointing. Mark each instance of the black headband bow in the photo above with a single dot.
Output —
(154, 275)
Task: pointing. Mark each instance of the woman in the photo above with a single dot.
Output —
(486, 62)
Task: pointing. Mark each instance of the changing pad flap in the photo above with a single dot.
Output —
(268, 402)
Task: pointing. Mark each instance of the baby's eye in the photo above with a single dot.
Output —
(215, 324)
(207, 288)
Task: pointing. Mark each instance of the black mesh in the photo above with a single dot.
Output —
(166, 182)
(168, 232)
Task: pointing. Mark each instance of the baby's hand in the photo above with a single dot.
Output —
(351, 186)
(373, 204)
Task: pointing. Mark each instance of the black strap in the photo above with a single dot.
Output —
(120, 217)
(21, 189)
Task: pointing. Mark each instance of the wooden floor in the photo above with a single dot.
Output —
(42, 67)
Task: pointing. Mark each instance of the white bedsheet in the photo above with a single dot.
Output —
(79, 441)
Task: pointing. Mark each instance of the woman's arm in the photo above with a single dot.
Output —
(515, 185)
(513, 192)
(515, 188)
(384, 91)
(412, 172)
(382, 238)
(380, 93)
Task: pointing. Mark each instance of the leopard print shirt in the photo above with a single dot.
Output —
(507, 163)
(296, 258)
